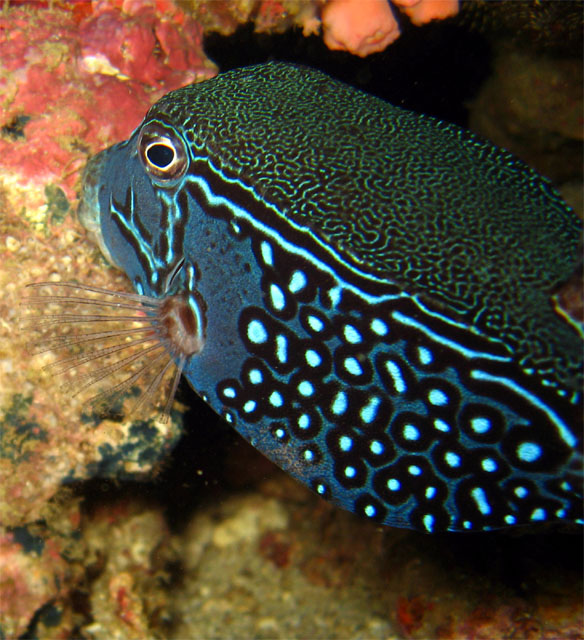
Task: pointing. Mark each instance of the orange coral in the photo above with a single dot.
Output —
(367, 26)
(423, 11)
(359, 26)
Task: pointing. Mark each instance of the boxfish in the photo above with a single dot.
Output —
(369, 296)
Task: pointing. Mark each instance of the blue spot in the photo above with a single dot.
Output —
(396, 375)
(429, 522)
(281, 348)
(488, 464)
(315, 323)
(256, 332)
(334, 296)
(250, 406)
(352, 336)
(566, 486)
(378, 327)
(393, 484)
(369, 411)
(320, 489)
(411, 432)
(229, 392)
(313, 359)
(538, 514)
(306, 388)
(510, 519)
(430, 492)
(438, 398)
(414, 470)
(565, 434)
(561, 513)
(280, 433)
(528, 451)
(425, 355)
(277, 297)
(267, 254)
(350, 472)
(480, 425)
(297, 282)
(480, 497)
(339, 405)
(345, 443)
(304, 421)
(308, 455)
(276, 399)
(441, 425)
(452, 459)
(255, 376)
(376, 447)
(370, 511)
(467, 524)
(521, 492)
(352, 366)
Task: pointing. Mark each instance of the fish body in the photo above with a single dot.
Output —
(371, 289)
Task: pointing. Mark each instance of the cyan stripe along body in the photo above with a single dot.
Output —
(364, 293)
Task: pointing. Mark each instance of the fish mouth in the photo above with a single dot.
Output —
(88, 211)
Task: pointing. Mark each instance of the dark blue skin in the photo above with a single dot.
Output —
(217, 277)
(389, 340)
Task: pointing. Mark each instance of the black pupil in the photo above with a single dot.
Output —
(160, 155)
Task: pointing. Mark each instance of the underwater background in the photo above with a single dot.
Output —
(137, 528)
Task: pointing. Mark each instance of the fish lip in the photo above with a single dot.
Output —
(88, 210)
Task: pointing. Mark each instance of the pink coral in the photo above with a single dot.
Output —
(68, 76)
(141, 45)
(367, 26)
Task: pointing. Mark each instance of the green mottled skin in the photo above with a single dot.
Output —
(489, 253)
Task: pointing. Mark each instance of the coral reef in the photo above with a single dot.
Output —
(62, 80)
(34, 574)
(65, 92)
(129, 542)
(360, 27)
(268, 16)
(363, 27)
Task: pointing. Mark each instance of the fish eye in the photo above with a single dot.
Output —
(160, 155)
(162, 152)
